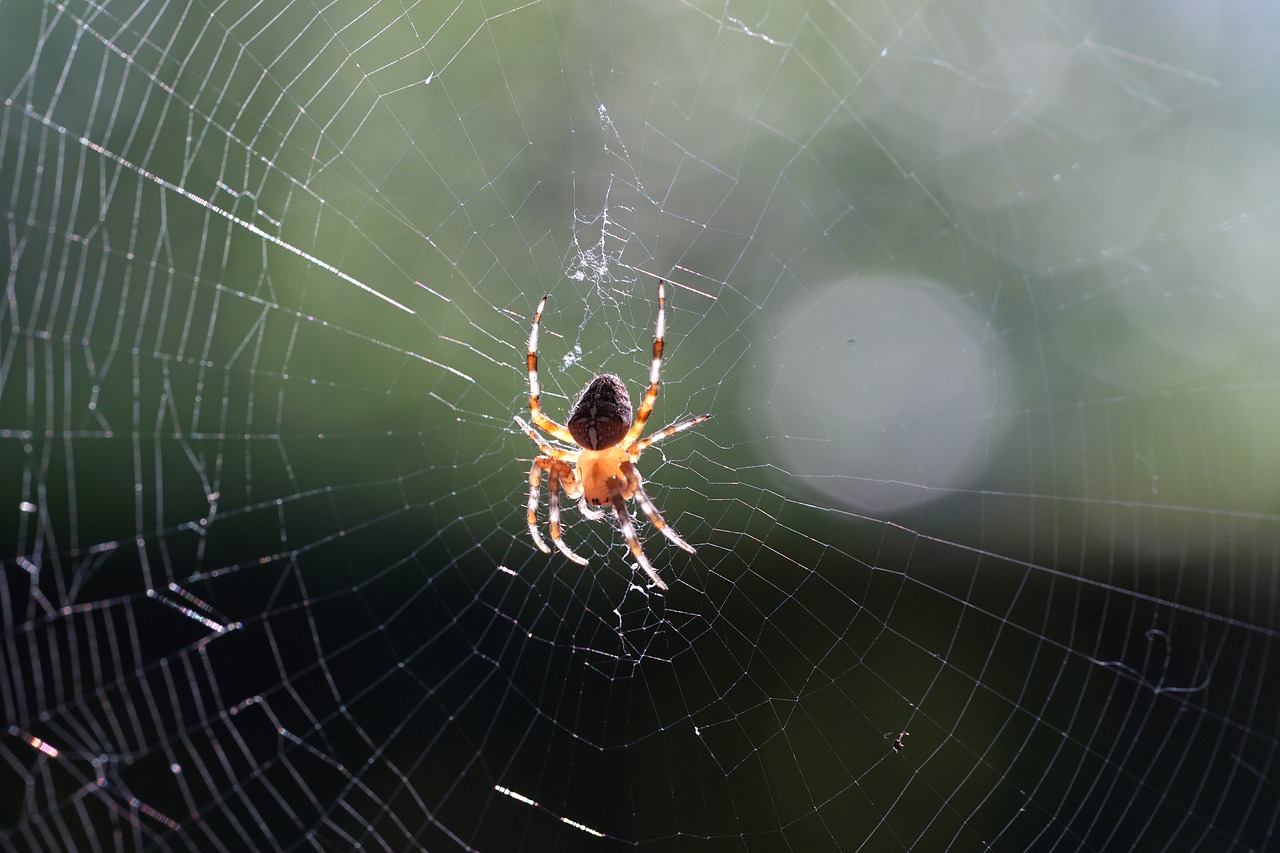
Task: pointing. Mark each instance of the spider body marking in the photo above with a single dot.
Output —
(601, 417)
(600, 470)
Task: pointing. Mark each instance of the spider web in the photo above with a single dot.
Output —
(987, 518)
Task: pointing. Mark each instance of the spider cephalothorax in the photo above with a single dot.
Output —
(606, 440)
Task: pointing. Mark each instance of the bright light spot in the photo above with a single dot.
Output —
(888, 393)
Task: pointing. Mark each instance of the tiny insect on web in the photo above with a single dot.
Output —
(600, 468)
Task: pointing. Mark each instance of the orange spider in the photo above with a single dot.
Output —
(600, 469)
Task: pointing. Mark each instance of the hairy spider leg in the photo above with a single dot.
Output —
(642, 445)
(557, 430)
(655, 368)
(646, 503)
(531, 516)
(559, 476)
(629, 533)
(556, 453)
(553, 487)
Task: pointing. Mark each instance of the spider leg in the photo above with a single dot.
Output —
(535, 478)
(655, 368)
(553, 486)
(557, 430)
(557, 453)
(666, 432)
(646, 503)
(633, 541)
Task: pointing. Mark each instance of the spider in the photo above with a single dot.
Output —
(600, 469)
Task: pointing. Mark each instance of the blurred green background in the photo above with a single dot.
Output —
(981, 299)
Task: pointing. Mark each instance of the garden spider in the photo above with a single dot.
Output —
(600, 469)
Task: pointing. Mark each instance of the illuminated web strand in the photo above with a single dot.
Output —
(192, 613)
(34, 742)
(210, 206)
(517, 796)
(129, 59)
(137, 804)
(103, 783)
(249, 226)
(243, 223)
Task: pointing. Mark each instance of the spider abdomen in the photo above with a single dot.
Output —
(602, 415)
